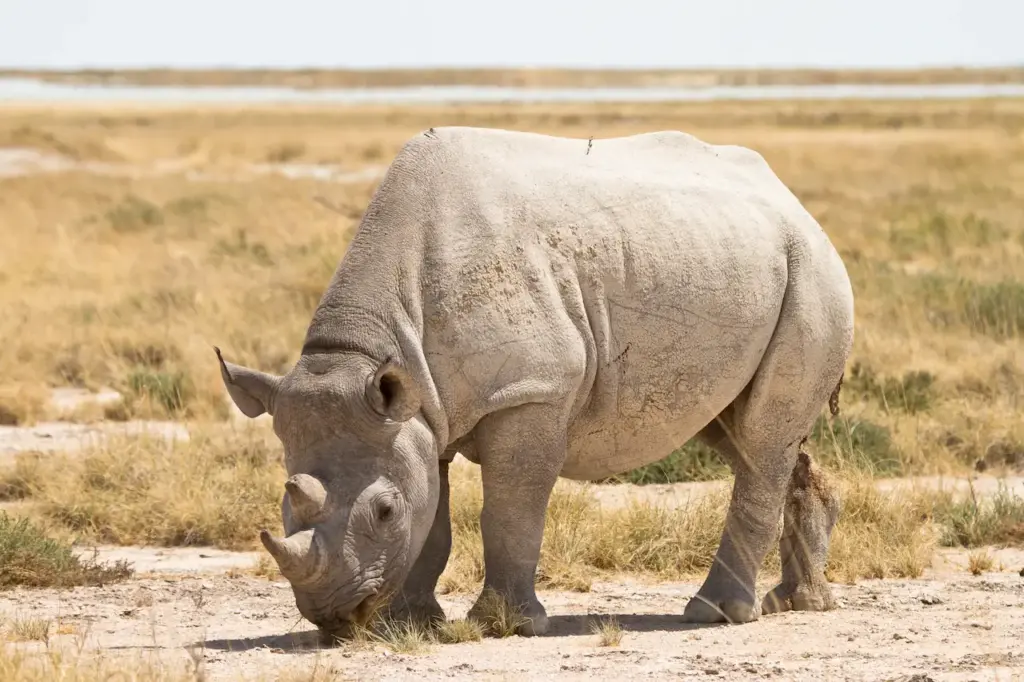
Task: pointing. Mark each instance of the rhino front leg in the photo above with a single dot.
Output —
(521, 451)
(751, 527)
(812, 508)
(416, 601)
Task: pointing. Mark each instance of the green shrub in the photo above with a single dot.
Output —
(29, 558)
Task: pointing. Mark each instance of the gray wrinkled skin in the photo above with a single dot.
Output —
(548, 311)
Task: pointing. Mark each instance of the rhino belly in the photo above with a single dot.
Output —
(654, 397)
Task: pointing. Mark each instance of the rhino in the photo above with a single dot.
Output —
(545, 307)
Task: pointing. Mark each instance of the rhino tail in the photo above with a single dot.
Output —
(833, 400)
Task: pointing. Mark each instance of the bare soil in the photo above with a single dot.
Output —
(948, 625)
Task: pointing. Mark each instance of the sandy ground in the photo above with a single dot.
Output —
(187, 604)
(948, 625)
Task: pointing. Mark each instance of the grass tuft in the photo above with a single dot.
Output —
(22, 405)
(134, 214)
(458, 631)
(170, 390)
(402, 637)
(497, 616)
(609, 632)
(973, 523)
(31, 629)
(979, 561)
(29, 558)
(881, 535)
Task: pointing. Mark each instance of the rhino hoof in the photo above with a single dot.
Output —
(534, 626)
(814, 597)
(700, 610)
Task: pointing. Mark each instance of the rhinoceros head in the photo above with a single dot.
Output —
(363, 484)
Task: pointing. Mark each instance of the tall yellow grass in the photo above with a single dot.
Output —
(129, 281)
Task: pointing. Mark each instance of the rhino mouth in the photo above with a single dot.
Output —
(359, 617)
(364, 610)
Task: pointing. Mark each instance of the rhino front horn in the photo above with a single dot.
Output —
(307, 497)
(297, 556)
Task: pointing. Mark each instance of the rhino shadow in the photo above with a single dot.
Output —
(579, 625)
(297, 642)
(560, 626)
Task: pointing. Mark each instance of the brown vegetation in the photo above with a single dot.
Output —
(128, 277)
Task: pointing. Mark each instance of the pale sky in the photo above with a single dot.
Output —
(617, 33)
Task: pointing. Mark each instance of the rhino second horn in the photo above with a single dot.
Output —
(296, 556)
(307, 496)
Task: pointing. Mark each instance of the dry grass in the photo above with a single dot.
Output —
(56, 666)
(879, 535)
(609, 632)
(882, 535)
(30, 629)
(497, 616)
(921, 199)
(979, 561)
(399, 636)
(22, 405)
(218, 489)
(458, 631)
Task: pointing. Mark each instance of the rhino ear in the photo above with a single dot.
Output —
(392, 392)
(252, 391)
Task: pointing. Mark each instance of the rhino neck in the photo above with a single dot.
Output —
(373, 306)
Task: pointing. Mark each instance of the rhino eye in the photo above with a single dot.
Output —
(384, 511)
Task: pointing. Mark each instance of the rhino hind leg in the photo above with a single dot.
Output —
(812, 509)
(760, 435)
(751, 527)
(416, 601)
(521, 451)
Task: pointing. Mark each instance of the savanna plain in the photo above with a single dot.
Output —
(133, 239)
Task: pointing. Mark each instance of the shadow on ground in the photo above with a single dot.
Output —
(307, 640)
(567, 626)
(560, 626)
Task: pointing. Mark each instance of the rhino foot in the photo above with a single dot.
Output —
(502, 617)
(702, 610)
(816, 596)
(426, 612)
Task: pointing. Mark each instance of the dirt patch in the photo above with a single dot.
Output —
(63, 436)
(18, 162)
(946, 626)
(174, 560)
